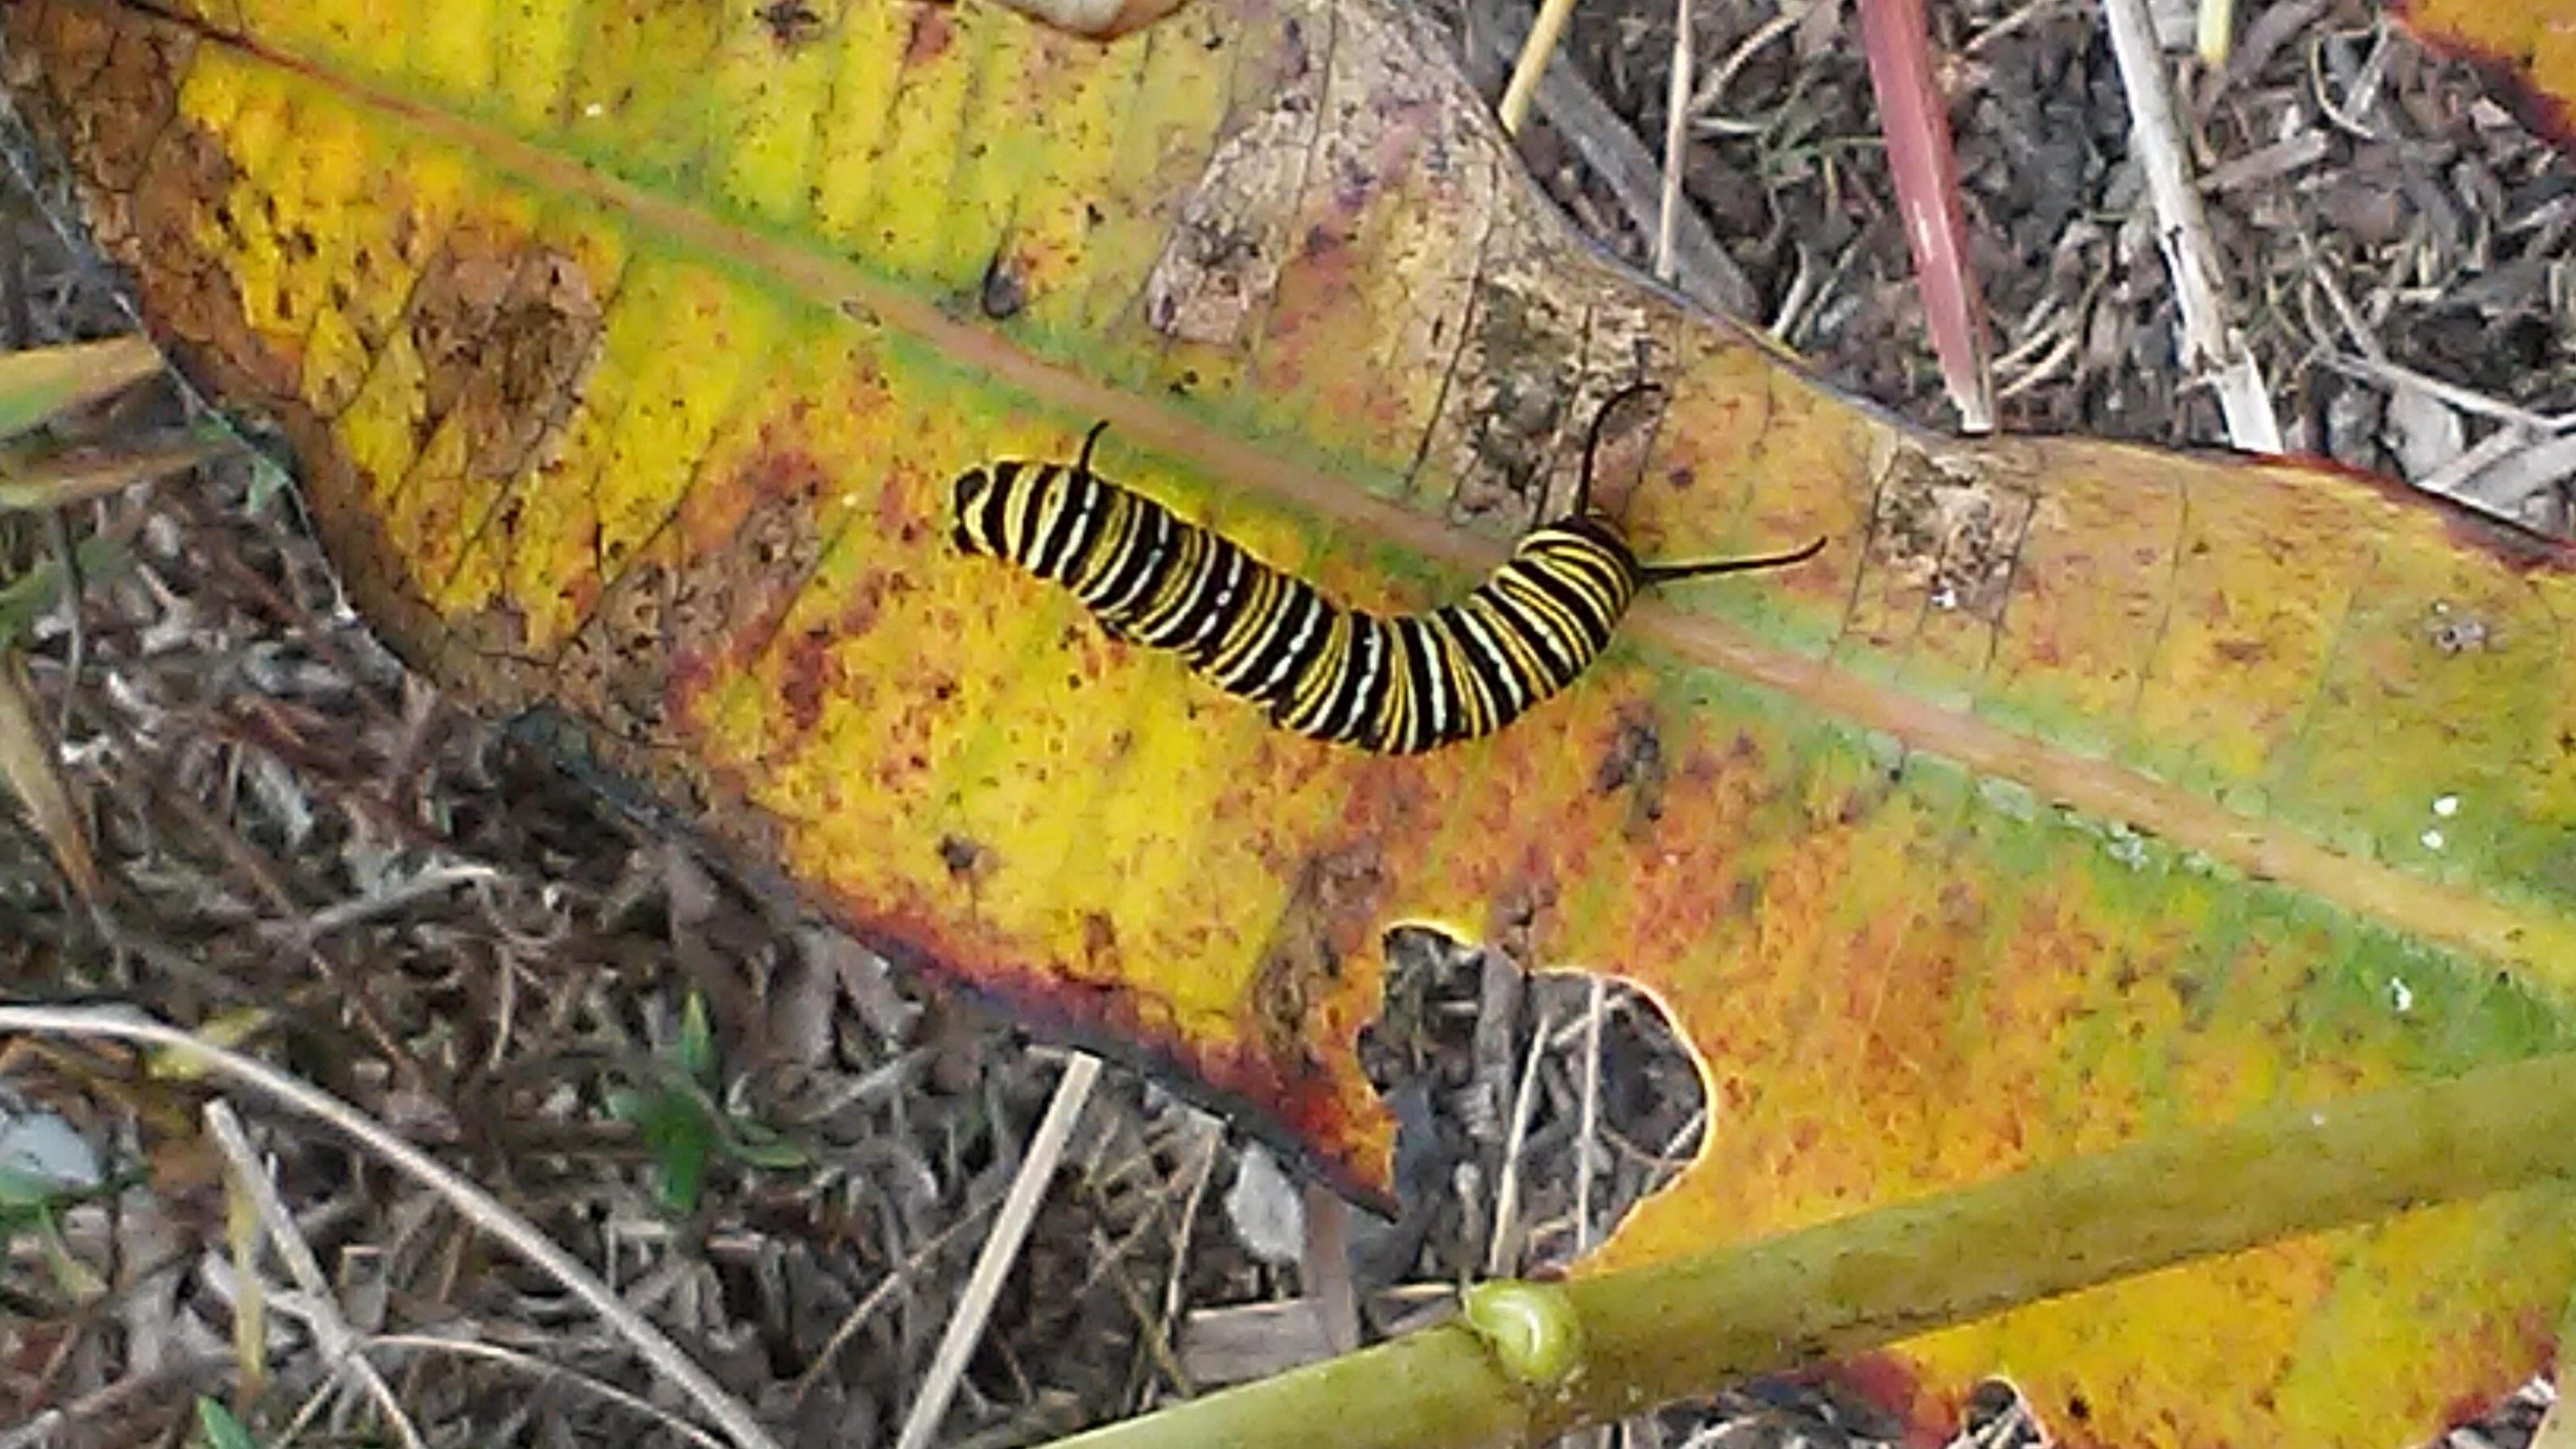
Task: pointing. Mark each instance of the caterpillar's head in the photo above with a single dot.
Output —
(973, 487)
(1601, 531)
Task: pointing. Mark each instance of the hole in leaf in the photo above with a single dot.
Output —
(1534, 1112)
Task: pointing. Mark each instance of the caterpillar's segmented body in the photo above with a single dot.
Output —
(1397, 685)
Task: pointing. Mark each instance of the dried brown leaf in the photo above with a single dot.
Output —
(39, 385)
(76, 477)
(28, 763)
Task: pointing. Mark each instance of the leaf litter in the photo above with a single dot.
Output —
(2384, 225)
(308, 851)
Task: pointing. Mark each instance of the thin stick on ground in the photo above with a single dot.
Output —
(1595, 1005)
(539, 1368)
(1001, 1249)
(1153, 1331)
(2182, 232)
(1709, 90)
(2466, 399)
(1535, 53)
(1502, 1253)
(866, 1308)
(1212, 1137)
(1677, 112)
(477, 1206)
(339, 1342)
(1610, 147)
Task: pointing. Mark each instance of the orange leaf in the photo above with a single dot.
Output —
(2531, 41)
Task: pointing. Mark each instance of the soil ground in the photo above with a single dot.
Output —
(2393, 241)
(419, 913)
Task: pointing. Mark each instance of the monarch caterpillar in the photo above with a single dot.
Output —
(1396, 685)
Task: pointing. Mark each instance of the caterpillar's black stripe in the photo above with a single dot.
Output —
(1395, 685)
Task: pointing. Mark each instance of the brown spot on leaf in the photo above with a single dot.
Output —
(931, 33)
(805, 678)
(793, 25)
(1221, 270)
(1512, 926)
(1100, 944)
(452, 311)
(747, 542)
(1524, 401)
(129, 102)
(866, 602)
(2242, 651)
(52, 52)
(1332, 913)
(614, 671)
(1743, 898)
(960, 856)
(1005, 290)
(187, 289)
(535, 354)
(1949, 532)
(1634, 763)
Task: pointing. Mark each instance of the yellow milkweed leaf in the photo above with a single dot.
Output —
(2078, 791)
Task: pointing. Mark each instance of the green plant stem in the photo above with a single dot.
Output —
(1656, 1333)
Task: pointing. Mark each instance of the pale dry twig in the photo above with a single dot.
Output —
(338, 1341)
(470, 1201)
(2208, 339)
(1001, 1248)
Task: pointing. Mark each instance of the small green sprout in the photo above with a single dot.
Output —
(218, 1429)
(684, 1126)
